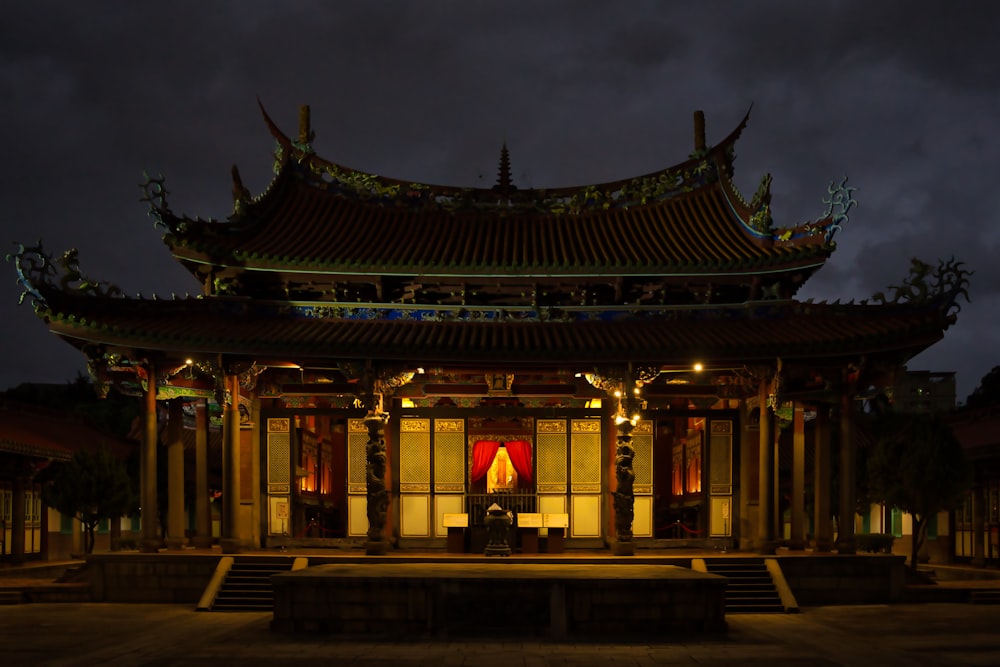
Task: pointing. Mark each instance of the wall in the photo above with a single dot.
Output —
(139, 577)
(816, 579)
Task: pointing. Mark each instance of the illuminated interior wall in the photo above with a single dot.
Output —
(414, 477)
(551, 442)
(642, 467)
(449, 471)
(585, 478)
(279, 476)
(720, 478)
(357, 486)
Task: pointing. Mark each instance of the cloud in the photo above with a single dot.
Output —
(899, 96)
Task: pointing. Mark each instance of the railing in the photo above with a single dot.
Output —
(476, 504)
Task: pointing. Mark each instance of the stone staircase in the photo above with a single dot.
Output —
(751, 588)
(247, 584)
(44, 582)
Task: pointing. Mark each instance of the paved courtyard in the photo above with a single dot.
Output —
(165, 635)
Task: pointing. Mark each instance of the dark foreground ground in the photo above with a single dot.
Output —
(164, 635)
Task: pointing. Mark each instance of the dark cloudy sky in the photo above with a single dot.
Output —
(903, 97)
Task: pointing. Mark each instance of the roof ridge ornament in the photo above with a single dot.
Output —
(241, 195)
(760, 204)
(504, 184)
(154, 192)
(925, 286)
(306, 134)
(37, 269)
(840, 202)
(700, 146)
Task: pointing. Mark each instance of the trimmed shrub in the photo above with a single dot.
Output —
(875, 543)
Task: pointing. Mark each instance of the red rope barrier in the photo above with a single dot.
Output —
(314, 524)
(678, 524)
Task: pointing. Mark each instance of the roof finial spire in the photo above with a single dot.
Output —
(504, 185)
(699, 131)
(306, 135)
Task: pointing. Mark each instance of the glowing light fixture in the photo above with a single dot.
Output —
(698, 367)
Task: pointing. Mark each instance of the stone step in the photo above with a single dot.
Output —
(750, 588)
(985, 597)
(11, 597)
(247, 586)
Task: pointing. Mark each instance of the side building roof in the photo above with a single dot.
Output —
(37, 432)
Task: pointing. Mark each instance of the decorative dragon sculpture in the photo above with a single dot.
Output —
(928, 286)
(37, 270)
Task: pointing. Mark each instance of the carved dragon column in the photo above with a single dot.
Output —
(377, 385)
(378, 494)
(620, 385)
(624, 495)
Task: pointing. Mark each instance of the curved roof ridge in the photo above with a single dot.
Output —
(687, 174)
(316, 216)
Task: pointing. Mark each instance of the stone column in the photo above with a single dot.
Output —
(378, 494)
(115, 533)
(175, 475)
(822, 518)
(17, 517)
(624, 495)
(978, 524)
(202, 507)
(746, 481)
(777, 516)
(230, 540)
(150, 540)
(76, 540)
(765, 494)
(43, 538)
(848, 473)
(798, 536)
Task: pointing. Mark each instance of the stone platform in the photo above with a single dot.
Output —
(609, 600)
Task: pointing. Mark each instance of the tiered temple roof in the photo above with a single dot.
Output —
(754, 332)
(331, 265)
(325, 232)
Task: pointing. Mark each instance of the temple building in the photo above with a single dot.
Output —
(32, 438)
(618, 365)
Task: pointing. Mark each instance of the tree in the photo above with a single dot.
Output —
(91, 487)
(917, 466)
(988, 391)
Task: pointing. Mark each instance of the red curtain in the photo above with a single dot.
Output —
(483, 453)
(519, 453)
